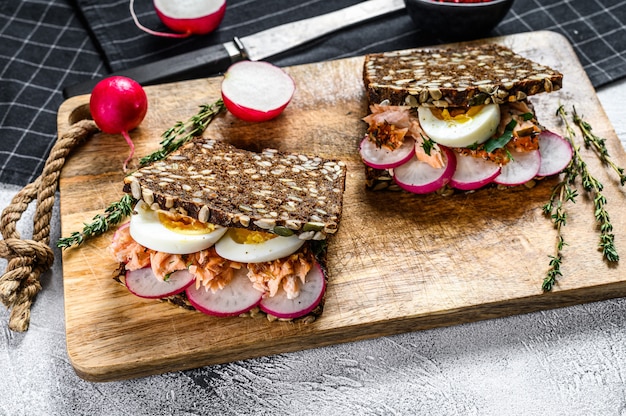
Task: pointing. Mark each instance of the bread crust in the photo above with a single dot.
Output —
(214, 182)
(455, 77)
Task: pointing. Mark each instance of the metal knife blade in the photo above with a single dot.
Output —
(214, 59)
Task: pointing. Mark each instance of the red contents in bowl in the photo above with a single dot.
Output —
(462, 1)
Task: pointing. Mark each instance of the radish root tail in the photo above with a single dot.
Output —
(154, 32)
(132, 149)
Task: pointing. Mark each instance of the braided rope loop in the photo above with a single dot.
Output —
(28, 259)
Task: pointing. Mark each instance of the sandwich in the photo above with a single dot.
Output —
(231, 232)
(457, 118)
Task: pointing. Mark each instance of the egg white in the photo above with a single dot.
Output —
(276, 248)
(456, 133)
(147, 230)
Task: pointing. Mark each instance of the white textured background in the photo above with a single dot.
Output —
(569, 361)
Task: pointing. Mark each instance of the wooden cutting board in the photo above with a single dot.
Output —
(399, 262)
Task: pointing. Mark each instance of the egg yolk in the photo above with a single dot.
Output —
(243, 236)
(459, 115)
(182, 224)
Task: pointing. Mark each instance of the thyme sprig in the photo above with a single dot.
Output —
(598, 144)
(594, 187)
(173, 138)
(182, 132)
(113, 215)
(563, 192)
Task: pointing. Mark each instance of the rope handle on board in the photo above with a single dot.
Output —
(29, 258)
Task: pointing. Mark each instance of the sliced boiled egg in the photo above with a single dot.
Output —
(474, 126)
(247, 246)
(173, 234)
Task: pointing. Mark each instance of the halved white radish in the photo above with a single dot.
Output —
(381, 158)
(473, 172)
(185, 17)
(311, 294)
(197, 17)
(237, 297)
(256, 91)
(522, 168)
(556, 153)
(143, 283)
(421, 178)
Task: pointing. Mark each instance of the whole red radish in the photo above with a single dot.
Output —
(256, 91)
(118, 104)
(185, 17)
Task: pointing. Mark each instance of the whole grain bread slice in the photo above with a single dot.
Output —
(455, 77)
(214, 182)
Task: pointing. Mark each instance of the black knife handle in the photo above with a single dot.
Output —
(196, 64)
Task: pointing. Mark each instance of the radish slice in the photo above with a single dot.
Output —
(143, 283)
(473, 172)
(256, 91)
(522, 168)
(421, 178)
(381, 158)
(556, 153)
(311, 294)
(237, 297)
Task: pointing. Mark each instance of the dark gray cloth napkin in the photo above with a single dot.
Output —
(43, 47)
(596, 28)
(46, 45)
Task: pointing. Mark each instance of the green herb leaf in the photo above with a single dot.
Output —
(564, 192)
(181, 133)
(113, 215)
(173, 138)
(598, 144)
(500, 142)
(427, 145)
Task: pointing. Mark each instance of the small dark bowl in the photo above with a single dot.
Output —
(457, 21)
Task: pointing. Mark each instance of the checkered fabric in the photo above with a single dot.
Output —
(596, 29)
(43, 47)
(46, 45)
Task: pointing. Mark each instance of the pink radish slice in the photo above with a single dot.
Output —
(556, 153)
(237, 297)
(256, 91)
(311, 294)
(143, 283)
(421, 178)
(381, 158)
(473, 172)
(522, 168)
